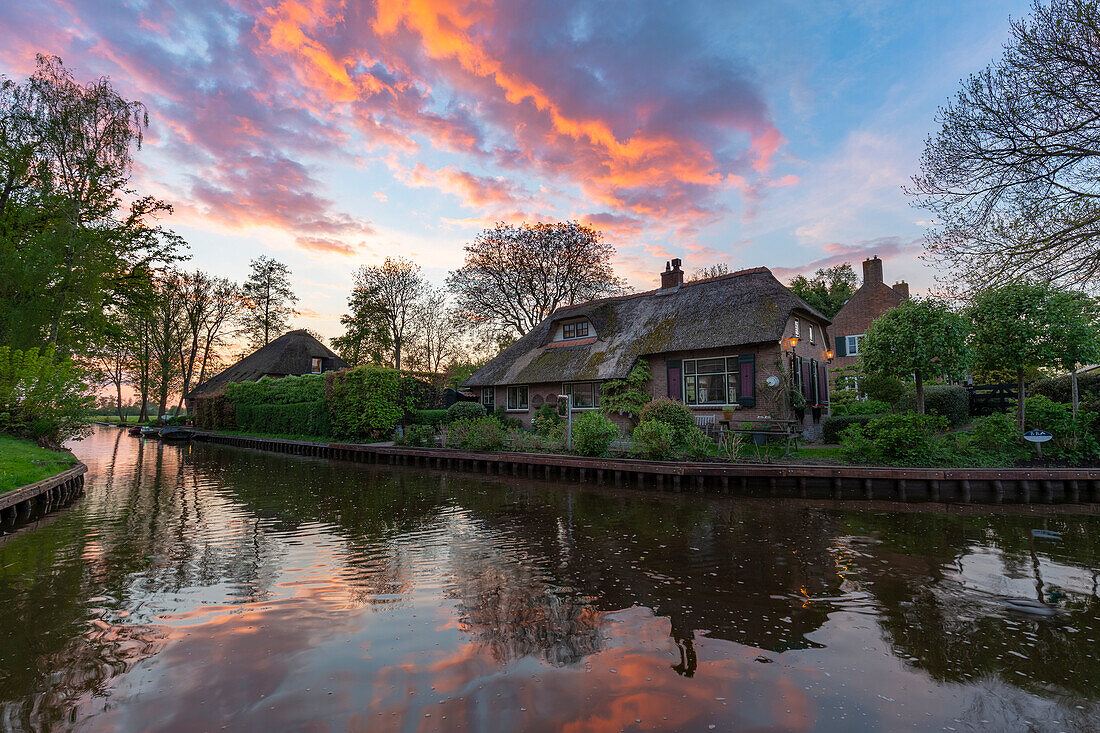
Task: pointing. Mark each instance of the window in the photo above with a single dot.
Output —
(811, 327)
(586, 395)
(316, 365)
(488, 398)
(797, 329)
(575, 330)
(517, 397)
(852, 346)
(711, 381)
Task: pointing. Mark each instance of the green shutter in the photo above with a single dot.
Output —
(841, 346)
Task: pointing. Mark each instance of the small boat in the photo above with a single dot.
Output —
(148, 432)
(135, 431)
(179, 434)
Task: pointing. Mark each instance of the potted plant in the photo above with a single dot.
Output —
(759, 433)
(727, 411)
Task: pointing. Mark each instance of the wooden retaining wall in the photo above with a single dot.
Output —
(46, 495)
(978, 485)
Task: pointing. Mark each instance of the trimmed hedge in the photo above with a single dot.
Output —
(281, 391)
(365, 402)
(419, 394)
(303, 418)
(465, 411)
(1060, 389)
(832, 427)
(427, 417)
(949, 400)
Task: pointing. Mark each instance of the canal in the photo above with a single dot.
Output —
(198, 587)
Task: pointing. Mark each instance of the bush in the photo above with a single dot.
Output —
(1060, 389)
(654, 440)
(307, 419)
(1073, 439)
(593, 433)
(859, 407)
(909, 439)
(949, 400)
(42, 397)
(282, 391)
(501, 416)
(418, 436)
(832, 427)
(419, 394)
(363, 402)
(673, 414)
(993, 439)
(698, 445)
(881, 387)
(427, 417)
(546, 420)
(465, 411)
(627, 396)
(483, 433)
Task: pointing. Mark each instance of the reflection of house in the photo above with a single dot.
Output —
(873, 298)
(295, 353)
(709, 343)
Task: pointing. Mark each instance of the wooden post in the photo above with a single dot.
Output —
(1025, 491)
(1048, 492)
(802, 487)
(773, 486)
(966, 491)
(618, 478)
(725, 484)
(1074, 492)
(868, 489)
(901, 490)
(934, 485)
(998, 492)
(836, 487)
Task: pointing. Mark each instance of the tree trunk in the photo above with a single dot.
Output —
(1020, 392)
(920, 394)
(1073, 382)
(397, 354)
(121, 416)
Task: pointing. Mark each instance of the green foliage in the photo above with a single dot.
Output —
(364, 402)
(282, 391)
(1012, 328)
(419, 394)
(593, 433)
(42, 396)
(654, 440)
(418, 435)
(465, 411)
(1060, 389)
(832, 427)
(674, 414)
(546, 419)
(844, 407)
(828, 290)
(22, 462)
(1074, 439)
(905, 440)
(270, 301)
(428, 417)
(949, 400)
(482, 433)
(307, 419)
(627, 396)
(501, 415)
(697, 445)
(993, 440)
(881, 387)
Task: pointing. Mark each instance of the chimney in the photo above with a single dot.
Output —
(872, 271)
(673, 276)
(901, 288)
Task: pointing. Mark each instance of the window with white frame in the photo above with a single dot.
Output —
(852, 345)
(575, 330)
(517, 397)
(586, 395)
(711, 381)
(797, 329)
(489, 398)
(810, 326)
(315, 365)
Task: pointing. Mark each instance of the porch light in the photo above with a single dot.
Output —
(793, 341)
(829, 354)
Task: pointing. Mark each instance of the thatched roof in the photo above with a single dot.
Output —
(291, 353)
(742, 308)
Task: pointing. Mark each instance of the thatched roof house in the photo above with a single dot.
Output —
(709, 343)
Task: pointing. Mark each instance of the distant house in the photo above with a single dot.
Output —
(295, 353)
(709, 343)
(873, 298)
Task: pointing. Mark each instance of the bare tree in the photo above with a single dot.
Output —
(435, 331)
(390, 293)
(269, 301)
(207, 304)
(515, 276)
(1013, 175)
(166, 336)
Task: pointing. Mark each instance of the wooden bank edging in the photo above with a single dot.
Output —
(48, 493)
(977, 485)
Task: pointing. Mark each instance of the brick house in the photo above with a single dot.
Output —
(741, 339)
(873, 298)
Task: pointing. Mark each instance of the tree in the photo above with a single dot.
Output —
(1013, 329)
(366, 338)
(919, 339)
(515, 276)
(166, 336)
(1074, 320)
(269, 301)
(1011, 176)
(434, 328)
(829, 289)
(382, 305)
(208, 304)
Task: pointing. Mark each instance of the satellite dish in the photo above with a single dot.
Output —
(772, 381)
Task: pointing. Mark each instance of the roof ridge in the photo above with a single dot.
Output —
(628, 296)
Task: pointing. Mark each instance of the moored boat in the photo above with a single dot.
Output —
(176, 434)
(148, 432)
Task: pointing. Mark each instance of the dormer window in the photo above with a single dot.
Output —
(576, 330)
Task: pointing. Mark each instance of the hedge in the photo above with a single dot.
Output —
(949, 400)
(1060, 389)
(427, 417)
(309, 419)
(283, 391)
(832, 427)
(419, 394)
(365, 402)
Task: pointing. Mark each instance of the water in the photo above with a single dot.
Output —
(196, 587)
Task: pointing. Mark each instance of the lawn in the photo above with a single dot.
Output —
(22, 462)
(130, 419)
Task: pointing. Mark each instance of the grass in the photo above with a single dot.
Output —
(22, 462)
(130, 419)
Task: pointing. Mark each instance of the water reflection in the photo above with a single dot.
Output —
(199, 586)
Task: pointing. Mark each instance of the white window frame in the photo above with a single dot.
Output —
(811, 327)
(576, 325)
(685, 376)
(316, 365)
(526, 398)
(797, 329)
(568, 387)
(489, 398)
(849, 341)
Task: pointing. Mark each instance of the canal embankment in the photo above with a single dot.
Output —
(841, 483)
(43, 495)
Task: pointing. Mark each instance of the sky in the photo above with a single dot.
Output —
(333, 133)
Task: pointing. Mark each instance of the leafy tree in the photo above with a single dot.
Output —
(269, 301)
(1011, 176)
(829, 289)
(1013, 329)
(1074, 334)
(397, 286)
(43, 396)
(919, 339)
(515, 276)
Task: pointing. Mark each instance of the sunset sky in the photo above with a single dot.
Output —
(331, 134)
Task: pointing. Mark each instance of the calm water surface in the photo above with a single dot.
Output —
(201, 587)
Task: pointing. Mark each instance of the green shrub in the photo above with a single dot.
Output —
(483, 433)
(593, 433)
(418, 436)
(1060, 389)
(698, 445)
(832, 427)
(43, 397)
(501, 415)
(674, 414)
(546, 419)
(419, 394)
(858, 407)
(427, 417)
(949, 400)
(908, 439)
(993, 439)
(465, 411)
(1074, 439)
(307, 419)
(281, 391)
(881, 387)
(654, 440)
(364, 402)
(627, 396)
